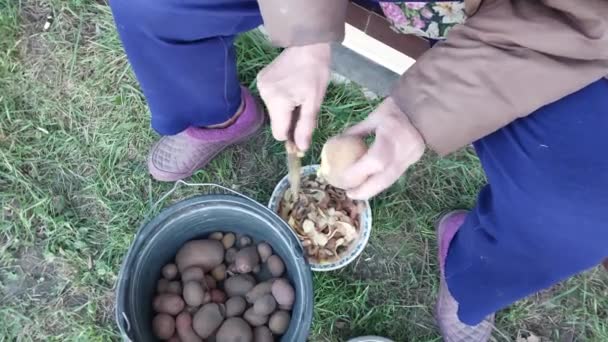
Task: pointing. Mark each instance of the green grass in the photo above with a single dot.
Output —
(74, 133)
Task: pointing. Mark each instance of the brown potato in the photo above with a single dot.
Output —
(185, 332)
(265, 305)
(247, 259)
(235, 306)
(168, 303)
(193, 293)
(262, 334)
(234, 330)
(244, 241)
(275, 266)
(207, 320)
(264, 250)
(230, 255)
(218, 296)
(228, 240)
(163, 326)
(279, 322)
(238, 285)
(258, 291)
(193, 273)
(174, 287)
(219, 273)
(169, 271)
(209, 282)
(206, 254)
(216, 236)
(283, 292)
(161, 285)
(254, 319)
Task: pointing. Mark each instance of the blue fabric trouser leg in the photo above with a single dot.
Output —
(543, 216)
(183, 56)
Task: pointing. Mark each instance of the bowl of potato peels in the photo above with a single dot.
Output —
(332, 228)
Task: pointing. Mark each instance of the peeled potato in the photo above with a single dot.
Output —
(234, 330)
(338, 154)
(206, 254)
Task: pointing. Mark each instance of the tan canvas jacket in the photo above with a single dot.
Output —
(510, 58)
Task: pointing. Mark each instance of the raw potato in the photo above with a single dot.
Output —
(168, 303)
(244, 241)
(210, 282)
(174, 338)
(238, 285)
(193, 293)
(265, 305)
(216, 236)
(204, 253)
(275, 266)
(228, 240)
(279, 322)
(258, 291)
(235, 306)
(218, 296)
(254, 319)
(262, 334)
(234, 330)
(161, 286)
(283, 292)
(169, 271)
(174, 287)
(219, 273)
(247, 259)
(193, 273)
(338, 154)
(207, 320)
(163, 326)
(230, 255)
(183, 323)
(264, 250)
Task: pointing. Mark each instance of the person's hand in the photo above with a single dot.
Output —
(297, 77)
(397, 146)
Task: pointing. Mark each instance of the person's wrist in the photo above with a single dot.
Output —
(320, 52)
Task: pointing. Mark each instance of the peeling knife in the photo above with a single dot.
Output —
(294, 155)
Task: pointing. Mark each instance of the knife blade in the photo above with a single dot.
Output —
(294, 156)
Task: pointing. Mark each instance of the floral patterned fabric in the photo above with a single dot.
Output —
(426, 19)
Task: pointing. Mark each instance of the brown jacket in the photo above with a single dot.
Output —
(510, 58)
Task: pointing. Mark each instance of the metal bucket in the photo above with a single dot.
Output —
(157, 242)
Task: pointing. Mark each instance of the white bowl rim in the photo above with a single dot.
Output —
(365, 219)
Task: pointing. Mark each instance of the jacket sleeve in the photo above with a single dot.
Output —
(509, 59)
(304, 22)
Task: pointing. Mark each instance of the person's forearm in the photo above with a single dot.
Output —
(303, 22)
(509, 59)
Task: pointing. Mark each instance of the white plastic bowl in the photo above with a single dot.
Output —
(354, 250)
(370, 339)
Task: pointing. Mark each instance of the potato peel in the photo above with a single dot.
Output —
(323, 218)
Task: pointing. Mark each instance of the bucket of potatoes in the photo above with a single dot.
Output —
(332, 228)
(215, 268)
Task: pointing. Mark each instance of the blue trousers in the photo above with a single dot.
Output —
(541, 218)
